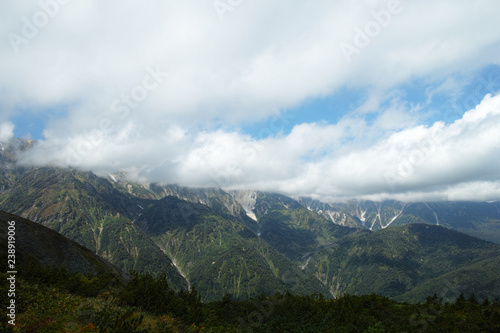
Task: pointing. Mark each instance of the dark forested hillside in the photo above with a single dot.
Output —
(47, 247)
(148, 304)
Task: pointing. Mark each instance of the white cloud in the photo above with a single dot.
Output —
(319, 160)
(263, 58)
(6, 131)
(421, 160)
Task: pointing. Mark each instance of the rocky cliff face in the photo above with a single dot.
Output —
(247, 200)
(334, 214)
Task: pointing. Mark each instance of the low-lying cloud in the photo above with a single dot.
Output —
(453, 161)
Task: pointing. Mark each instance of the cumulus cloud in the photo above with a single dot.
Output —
(429, 159)
(161, 88)
(260, 58)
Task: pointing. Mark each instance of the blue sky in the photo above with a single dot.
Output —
(446, 106)
(28, 125)
(326, 109)
(334, 100)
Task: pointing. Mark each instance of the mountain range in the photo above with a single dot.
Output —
(479, 219)
(247, 243)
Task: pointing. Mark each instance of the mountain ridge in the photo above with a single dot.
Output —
(479, 219)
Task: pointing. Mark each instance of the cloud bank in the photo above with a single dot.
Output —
(162, 89)
(458, 161)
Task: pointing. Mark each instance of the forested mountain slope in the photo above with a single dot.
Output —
(400, 260)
